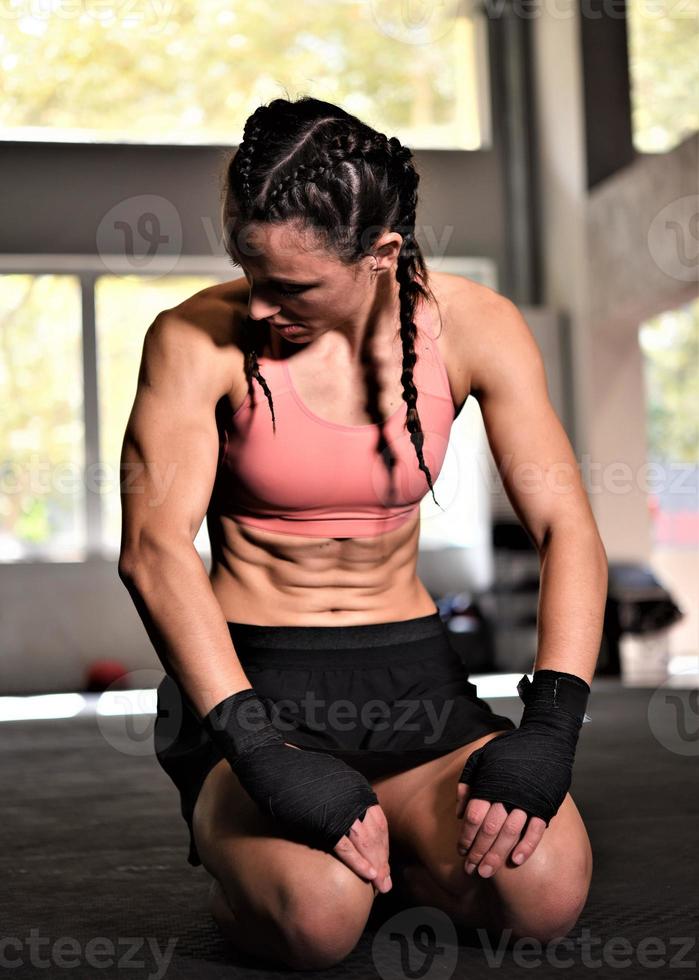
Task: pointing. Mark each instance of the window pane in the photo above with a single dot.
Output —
(42, 498)
(663, 41)
(186, 72)
(124, 308)
(670, 345)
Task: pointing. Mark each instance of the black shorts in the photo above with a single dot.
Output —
(384, 697)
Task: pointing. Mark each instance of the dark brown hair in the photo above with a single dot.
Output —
(313, 163)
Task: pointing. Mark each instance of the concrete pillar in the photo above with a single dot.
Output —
(611, 259)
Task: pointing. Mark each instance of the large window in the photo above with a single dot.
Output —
(67, 384)
(125, 306)
(663, 39)
(191, 71)
(42, 494)
(670, 345)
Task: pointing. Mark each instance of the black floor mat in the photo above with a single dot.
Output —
(95, 883)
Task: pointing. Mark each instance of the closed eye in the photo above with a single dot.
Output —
(296, 291)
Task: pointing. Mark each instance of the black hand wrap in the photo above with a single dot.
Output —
(313, 792)
(530, 768)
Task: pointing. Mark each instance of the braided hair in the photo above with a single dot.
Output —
(315, 164)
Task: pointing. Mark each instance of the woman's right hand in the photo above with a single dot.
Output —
(365, 848)
(323, 799)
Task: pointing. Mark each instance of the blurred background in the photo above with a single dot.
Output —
(558, 148)
(558, 155)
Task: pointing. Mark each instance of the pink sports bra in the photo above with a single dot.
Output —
(324, 479)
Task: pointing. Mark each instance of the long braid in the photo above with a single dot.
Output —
(410, 291)
(329, 165)
(252, 368)
(239, 179)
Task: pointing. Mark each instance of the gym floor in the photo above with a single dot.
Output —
(96, 884)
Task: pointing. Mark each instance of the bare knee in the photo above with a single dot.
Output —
(549, 907)
(548, 922)
(324, 920)
(311, 924)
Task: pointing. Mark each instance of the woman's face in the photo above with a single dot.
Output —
(294, 280)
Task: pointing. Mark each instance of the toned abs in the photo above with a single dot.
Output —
(276, 579)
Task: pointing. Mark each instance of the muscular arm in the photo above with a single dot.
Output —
(516, 782)
(542, 480)
(168, 466)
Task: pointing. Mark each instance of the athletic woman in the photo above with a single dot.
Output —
(313, 713)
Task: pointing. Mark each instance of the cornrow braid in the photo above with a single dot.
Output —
(313, 162)
(252, 135)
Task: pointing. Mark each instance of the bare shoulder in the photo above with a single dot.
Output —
(487, 341)
(216, 311)
(205, 327)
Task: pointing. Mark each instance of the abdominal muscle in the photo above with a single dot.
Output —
(273, 579)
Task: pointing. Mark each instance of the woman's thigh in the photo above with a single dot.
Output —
(420, 807)
(417, 800)
(298, 903)
(259, 867)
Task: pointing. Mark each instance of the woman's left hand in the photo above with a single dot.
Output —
(490, 835)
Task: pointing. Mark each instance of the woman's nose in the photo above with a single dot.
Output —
(259, 308)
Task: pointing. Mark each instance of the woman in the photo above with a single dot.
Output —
(309, 450)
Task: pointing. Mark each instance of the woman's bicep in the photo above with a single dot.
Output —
(530, 447)
(171, 444)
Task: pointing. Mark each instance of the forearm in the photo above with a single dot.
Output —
(572, 596)
(171, 590)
